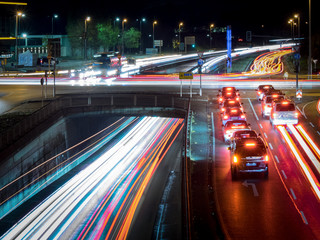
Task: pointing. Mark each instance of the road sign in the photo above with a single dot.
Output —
(297, 56)
(200, 62)
(158, 43)
(299, 94)
(185, 75)
(200, 54)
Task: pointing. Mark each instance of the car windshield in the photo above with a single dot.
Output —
(251, 151)
(266, 88)
(233, 111)
(285, 107)
(228, 89)
(238, 123)
(231, 104)
(269, 99)
(229, 94)
(245, 134)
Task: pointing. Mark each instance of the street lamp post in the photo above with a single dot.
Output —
(211, 26)
(298, 17)
(18, 15)
(154, 23)
(123, 21)
(291, 22)
(85, 37)
(141, 20)
(53, 17)
(309, 57)
(180, 25)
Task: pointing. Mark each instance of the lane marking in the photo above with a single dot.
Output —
(311, 124)
(277, 159)
(270, 146)
(304, 108)
(254, 188)
(284, 174)
(260, 125)
(265, 135)
(304, 218)
(293, 195)
(302, 112)
(213, 138)
(253, 109)
(318, 132)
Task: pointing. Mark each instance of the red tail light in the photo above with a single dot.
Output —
(225, 117)
(243, 116)
(235, 159)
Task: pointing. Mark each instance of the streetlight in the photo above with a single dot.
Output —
(141, 20)
(123, 21)
(25, 36)
(115, 20)
(154, 23)
(180, 25)
(53, 17)
(211, 26)
(85, 36)
(18, 15)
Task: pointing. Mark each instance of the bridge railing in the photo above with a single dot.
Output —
(123, 103)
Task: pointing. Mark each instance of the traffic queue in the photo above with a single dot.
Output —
(248, 150)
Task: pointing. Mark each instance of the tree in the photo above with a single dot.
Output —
(131, 38)
(107, 35)
(75, 35)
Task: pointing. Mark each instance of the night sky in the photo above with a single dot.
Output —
(245, 15)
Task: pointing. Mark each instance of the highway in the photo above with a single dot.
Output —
(283, 206)
(101, 200)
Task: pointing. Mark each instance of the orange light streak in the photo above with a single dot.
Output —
(306, 170)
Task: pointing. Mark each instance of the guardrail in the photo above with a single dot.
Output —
(185, 177)
(121, 103)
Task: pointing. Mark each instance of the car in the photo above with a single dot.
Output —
(233, 126)
(283, 112)
(228, 93)
(266, 103)
(243, 133)
(262, 89)
(44, 61)
(232, 114)
(249, 155)
(230, 103)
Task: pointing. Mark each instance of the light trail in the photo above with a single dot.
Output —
(302, 162)
(37, 184)
(114, 182)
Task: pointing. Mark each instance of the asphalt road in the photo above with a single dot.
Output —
(281, 207)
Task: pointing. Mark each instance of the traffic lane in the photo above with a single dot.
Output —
(252, 206)
(292, 177)
(311, 116)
